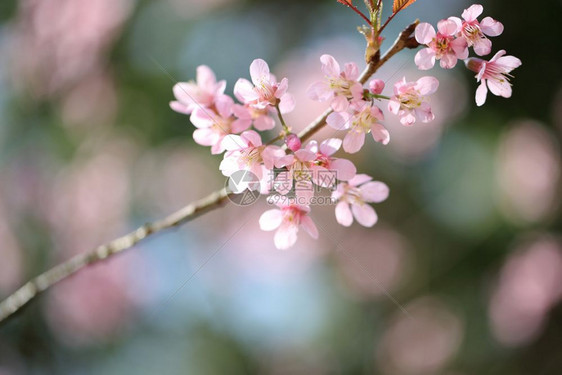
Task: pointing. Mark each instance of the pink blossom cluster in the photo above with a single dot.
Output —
(295, 173)
(356, 109)
(451, 42)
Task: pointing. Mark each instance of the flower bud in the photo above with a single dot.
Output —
(376, 86)
(474, 64)
(293, 142)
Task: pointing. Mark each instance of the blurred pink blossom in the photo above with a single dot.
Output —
(90, 203)
(202, 93)
(374, 261)
(421, 341)
(530, 284)
(59, 42)
(528, 172)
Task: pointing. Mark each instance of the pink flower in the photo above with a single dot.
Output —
(329, 168)
(301, 170)
(364, 118)
(339, 87)
(213, 126)
(475, 32)
(359, 191)
(441, 45)
(246, 152)
(265, 90)
(260, 118)
(204, 93)
(287, 220)
(493, 74)
(409, 102)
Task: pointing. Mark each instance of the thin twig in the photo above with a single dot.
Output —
(356, 10)
(215, 200)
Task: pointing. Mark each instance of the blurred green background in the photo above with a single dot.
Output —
(462, 275)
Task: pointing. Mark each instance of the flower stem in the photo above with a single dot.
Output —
(356, 10)
(378, 96)
(286, 129)
(278, 138)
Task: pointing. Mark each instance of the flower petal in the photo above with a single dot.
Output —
(491, 27)
(374, 191)
(345, 169)
(359, 179)
(330, 66)
(259, 71)
(343, 214)
(233, 142)
(287, 103)
(448, 27)
(473, 12)
(338, 120)
(425, 59)
(364, 214)
(286, 236)
(330, 146)
(264, 122)
(500, 88)
(427, 85)
(244, 91)
(251, 138)
(481, 93)
(205, 78)
(309, 226)
(271, 219)
(304, 155)
(353, 141)
(205, 137)
(448, 61)
(340, 103)
(320, 91)
(380, 134)
(483, 46)
(424, 33)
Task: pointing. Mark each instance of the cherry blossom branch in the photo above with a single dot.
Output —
(41, 283)
(62, 271)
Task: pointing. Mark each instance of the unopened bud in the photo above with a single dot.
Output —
(376, 86)
(293, 142)
(474, 64)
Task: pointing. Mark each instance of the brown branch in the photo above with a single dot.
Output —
(215, 200)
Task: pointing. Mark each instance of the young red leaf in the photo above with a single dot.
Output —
(401, 4)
